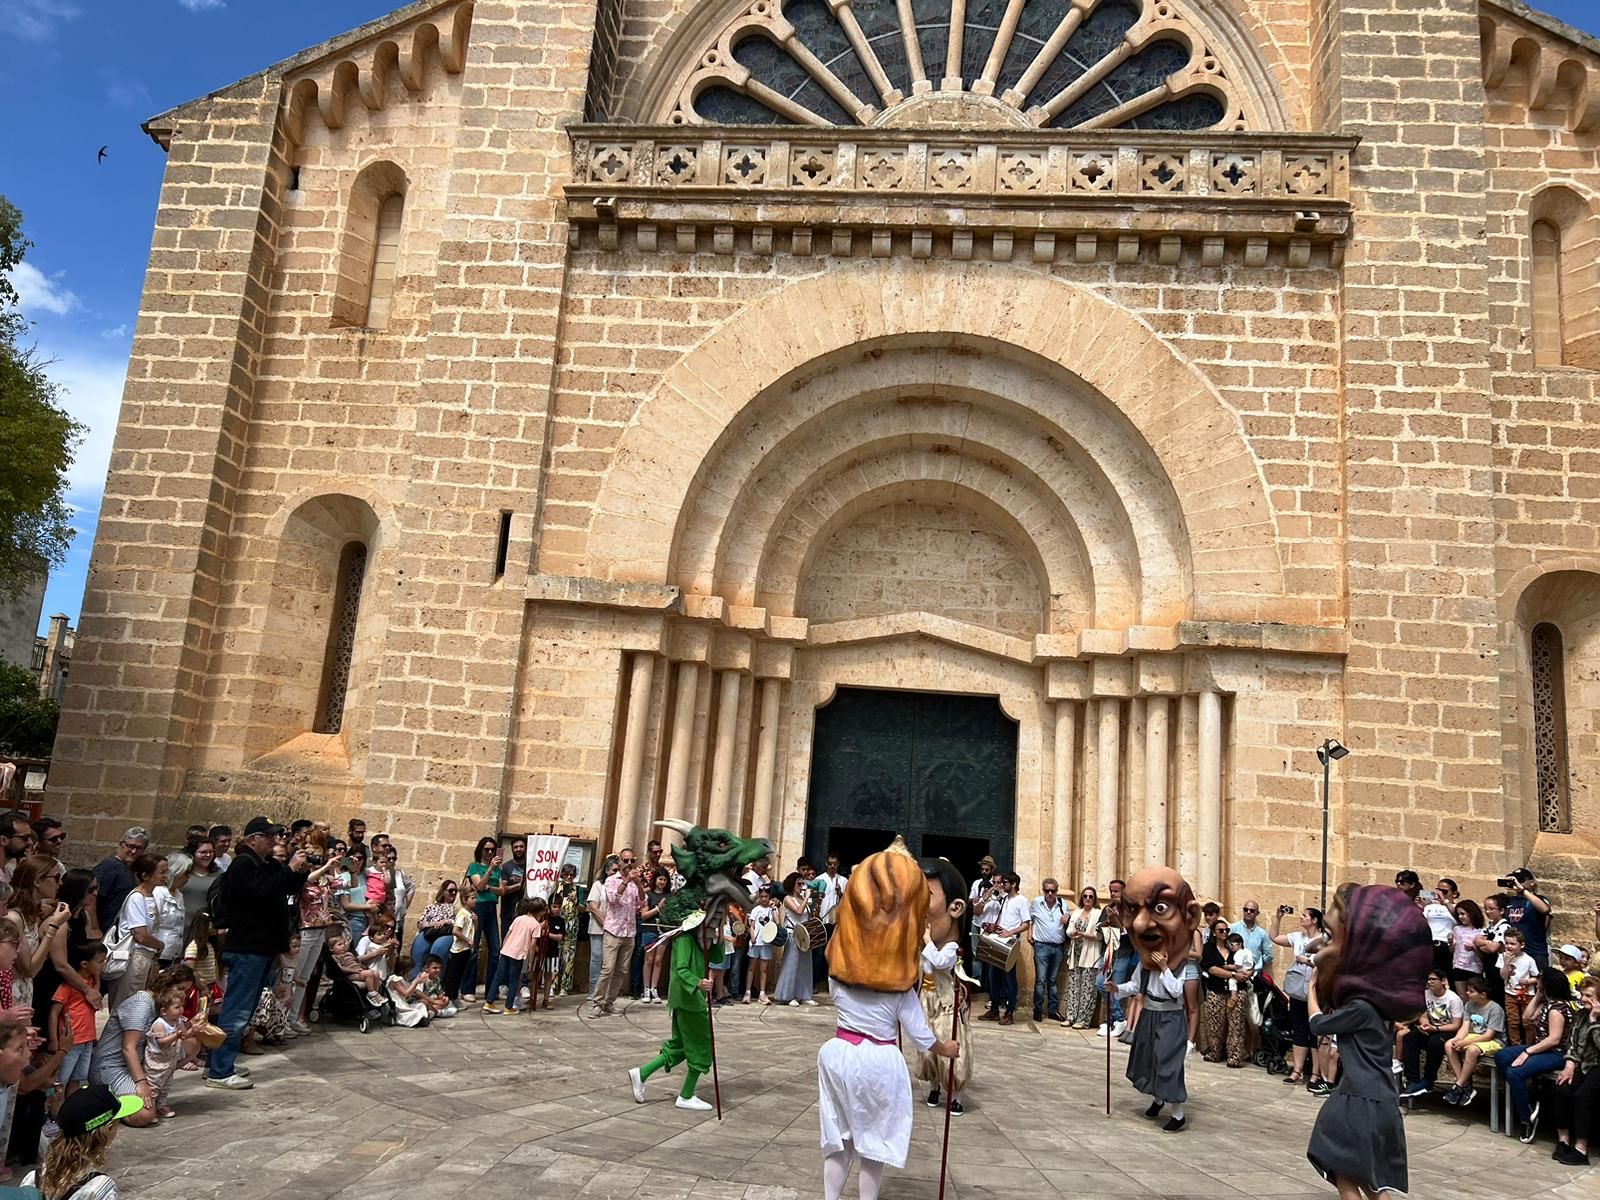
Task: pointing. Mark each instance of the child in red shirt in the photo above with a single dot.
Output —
(71, 1026)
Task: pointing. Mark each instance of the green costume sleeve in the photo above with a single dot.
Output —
(688, 969)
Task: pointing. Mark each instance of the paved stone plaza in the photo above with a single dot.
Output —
(501, 1107)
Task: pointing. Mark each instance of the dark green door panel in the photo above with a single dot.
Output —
(939, 769)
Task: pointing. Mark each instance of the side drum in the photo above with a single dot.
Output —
(998, 952)
(810, 934)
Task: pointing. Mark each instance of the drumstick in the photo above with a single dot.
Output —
(950, 1088)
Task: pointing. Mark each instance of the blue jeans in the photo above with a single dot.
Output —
(1046, 967)
(247, 975)
(1006, 986)
(1517, 1077)
(488, 914)
(1121, 971)
(507, 974)
(421, 947)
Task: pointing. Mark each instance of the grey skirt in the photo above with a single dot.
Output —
(1363, 1140)
(1155, 1065)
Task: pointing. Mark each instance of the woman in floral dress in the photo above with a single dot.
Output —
(564, 899)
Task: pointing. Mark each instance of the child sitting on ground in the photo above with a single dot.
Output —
(431, 989)
(162, 1047)
(417, 1001)
(345, 959)
(71, 1026)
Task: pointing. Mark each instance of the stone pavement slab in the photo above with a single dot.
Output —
(505, 1107)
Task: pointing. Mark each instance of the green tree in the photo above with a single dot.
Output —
(27, 723)
(37, 436)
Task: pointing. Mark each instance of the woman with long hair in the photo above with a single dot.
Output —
(141, 919)
(656, 895)
(794, 972)
(169, 903)
(74, 1167)
(1083, 956)
(482, 879)
(1304, 944)
(35, 910)
(564, 901)
(197, 887)
(1215, 975)
(434, 929)
(1469, 930)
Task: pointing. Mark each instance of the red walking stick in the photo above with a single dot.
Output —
(950, 1087)
(1109, 995)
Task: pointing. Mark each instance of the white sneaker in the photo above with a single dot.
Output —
(1103, 1031)
(300, 1028)
(638, 1084)
(693, 1104)
(449, 1010)
(794, 1004)
(233, 1083)
(811, 1003)
(1116, 1030)
(523, 994)
(1190, 1050)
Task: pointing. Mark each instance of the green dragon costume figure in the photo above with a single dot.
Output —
(711, 861)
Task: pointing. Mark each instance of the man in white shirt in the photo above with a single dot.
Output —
(1048, 916)
(1014, 918)
(833, 882)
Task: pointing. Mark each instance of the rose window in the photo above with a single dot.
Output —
(1060, 64)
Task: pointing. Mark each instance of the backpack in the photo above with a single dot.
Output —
(217, 901)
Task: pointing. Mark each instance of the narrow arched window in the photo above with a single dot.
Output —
(1548, 330)
(385, 260)
(341, 646)
(369, 252)
(1548, 661)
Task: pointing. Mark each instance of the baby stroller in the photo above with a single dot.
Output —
(1275, 1034)
(346, 1003)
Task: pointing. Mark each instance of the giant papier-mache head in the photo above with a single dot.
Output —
(1160, 914)
(712, 862)
(881, 918)
(1379, 950)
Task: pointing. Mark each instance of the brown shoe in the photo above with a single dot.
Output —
(991, 1015)
(1007, 1020)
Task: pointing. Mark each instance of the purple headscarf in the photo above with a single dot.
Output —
(1385, 951)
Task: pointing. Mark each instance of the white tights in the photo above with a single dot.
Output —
(836, 1166)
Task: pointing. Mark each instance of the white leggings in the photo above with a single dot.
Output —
(836, 1167)
(311, 942)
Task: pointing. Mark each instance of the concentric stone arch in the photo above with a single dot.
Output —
(1098, 349)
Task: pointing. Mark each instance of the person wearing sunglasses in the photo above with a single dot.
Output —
(434, 928)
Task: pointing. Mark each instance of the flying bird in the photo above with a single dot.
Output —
(101, 157)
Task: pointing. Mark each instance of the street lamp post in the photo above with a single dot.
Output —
(1330, 752)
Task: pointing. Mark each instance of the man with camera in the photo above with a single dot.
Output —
(1528, 911)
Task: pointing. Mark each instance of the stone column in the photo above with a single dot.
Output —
(1209, 881)
(1155, 780)
(630, 782)
(1086, 865)
(1134, 802)
(722, 754)
(1110, 727)
(1188, 863)
(766, 759)
(677, 796)
(1065, 772)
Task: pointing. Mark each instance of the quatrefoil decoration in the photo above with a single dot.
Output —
(810, 168)
(611, 163)
(1092, 173)
(745, 165)
(678, 164)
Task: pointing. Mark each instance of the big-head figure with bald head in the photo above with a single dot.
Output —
(1160, 914)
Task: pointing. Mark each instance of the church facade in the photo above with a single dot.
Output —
(1031, 426)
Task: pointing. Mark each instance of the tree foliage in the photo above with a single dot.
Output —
(37, 437)
(27, 723)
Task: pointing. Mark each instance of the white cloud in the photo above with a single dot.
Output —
(197, 6)
(91, 390)
(35, 20)
(38, 292)
(126, 93)
(117, 332)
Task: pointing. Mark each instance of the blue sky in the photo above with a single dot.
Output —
(86, 73)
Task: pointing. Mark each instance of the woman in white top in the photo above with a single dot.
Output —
(1305, 942)
(1083, 956)
(794, 972)
(172, 908)
(141, 919)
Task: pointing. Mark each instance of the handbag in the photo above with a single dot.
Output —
(119, 947)
(1297, 982)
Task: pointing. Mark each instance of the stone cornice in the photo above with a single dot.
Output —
(1544, 63)
(1039, 194)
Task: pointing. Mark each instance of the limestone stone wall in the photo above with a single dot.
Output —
(1546, 427)
(920, 555)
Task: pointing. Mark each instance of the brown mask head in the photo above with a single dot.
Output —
(1160, 913)
(881, 918)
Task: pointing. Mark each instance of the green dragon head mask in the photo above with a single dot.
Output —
(712, 862)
